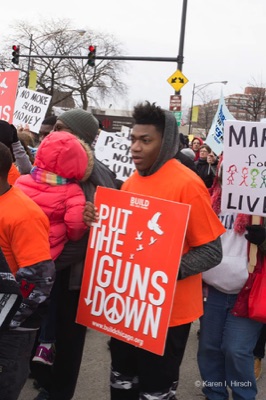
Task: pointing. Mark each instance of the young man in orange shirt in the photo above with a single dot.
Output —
(136, 373)
(24, 240)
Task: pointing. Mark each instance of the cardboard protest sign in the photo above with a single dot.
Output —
(30, 108)
(131, 267)
(113, 150)
(8, 92)
(244, 167)
(215, 138)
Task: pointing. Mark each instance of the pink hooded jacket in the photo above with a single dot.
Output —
(65, 155)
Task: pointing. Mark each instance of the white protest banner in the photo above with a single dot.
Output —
(113, 150)
(244, 167)
(30, 108)
(216, 133)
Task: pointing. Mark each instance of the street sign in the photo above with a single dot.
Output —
(178, 117)
(177, 80)
(175, 102)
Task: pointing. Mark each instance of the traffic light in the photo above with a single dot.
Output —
(91, 56)
(15, 54)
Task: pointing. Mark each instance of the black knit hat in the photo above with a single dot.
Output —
(82, 124)
(6, 133)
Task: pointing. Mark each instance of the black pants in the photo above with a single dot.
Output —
(15, 352)
(60, 380)
(259, 350)
(136, 371)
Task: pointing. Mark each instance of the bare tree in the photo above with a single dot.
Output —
(253, 102)
(71, 77)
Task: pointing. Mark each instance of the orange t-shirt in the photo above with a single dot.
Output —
(24, 230)
(13, 174)
(175, 182)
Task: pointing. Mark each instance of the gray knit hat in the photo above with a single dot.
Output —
(82, 124)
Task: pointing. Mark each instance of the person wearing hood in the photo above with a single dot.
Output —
(195, 145)
(136, 373)
(59, 382)
(61, 162)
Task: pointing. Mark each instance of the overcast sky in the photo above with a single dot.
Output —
(224, 40)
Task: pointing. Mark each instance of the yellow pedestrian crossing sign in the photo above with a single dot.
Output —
(177, 80)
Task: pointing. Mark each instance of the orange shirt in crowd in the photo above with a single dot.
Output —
(203, 226)
(24, 230)
(13, 175)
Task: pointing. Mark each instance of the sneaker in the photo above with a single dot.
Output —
(44, 355)
(43, 395)
(257, 368)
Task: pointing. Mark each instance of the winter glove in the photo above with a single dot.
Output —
(256, 234)
(15, 134)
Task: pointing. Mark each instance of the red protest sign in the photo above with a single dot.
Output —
(8, 93)
(131, 267)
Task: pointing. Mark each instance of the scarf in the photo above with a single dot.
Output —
(42, 176)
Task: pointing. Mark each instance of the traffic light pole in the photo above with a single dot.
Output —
(122, 58)
(29, 62)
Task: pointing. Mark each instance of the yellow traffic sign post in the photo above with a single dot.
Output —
(177, 80)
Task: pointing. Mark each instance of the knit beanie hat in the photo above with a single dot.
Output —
(188, 152)
(82, 124)
(6, 133)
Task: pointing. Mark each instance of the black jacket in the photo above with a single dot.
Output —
(206, 171)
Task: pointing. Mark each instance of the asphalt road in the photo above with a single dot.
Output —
(93, 380)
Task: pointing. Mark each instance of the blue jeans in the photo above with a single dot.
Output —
(225, 353)
(259, 350)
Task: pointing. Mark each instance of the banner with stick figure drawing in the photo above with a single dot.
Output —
(244, 167)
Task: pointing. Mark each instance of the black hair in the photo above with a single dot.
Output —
(51, 120)
(118, 183)
(5, 160)
(149, 114)
(100, 125)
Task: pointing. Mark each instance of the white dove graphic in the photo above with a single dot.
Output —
(3, 84)
(152, 240)
(153, 224)
(139, 236)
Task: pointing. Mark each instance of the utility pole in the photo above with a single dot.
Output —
(180, 57)
(29, 64)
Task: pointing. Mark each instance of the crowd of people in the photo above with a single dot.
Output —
(46, 210)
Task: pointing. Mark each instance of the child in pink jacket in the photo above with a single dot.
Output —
(62, 161)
